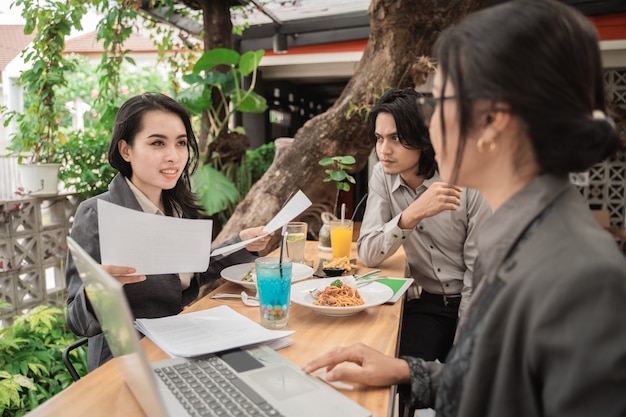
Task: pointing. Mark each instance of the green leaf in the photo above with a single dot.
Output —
(193, 78)
(213, 189)
(337, 175)
(348, 159)
(23, 381)
(230, 86)
(192, 99)
(326, 161)
(215, 57)
(253, 103)
(64, 28)
(250, 61)
(215, 78)
(29, 27)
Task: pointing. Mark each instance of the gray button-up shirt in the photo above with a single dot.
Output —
(440, 250)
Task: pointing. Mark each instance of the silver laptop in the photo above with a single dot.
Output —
(242, 382)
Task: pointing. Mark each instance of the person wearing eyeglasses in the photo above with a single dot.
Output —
(436, 222)
(520, 105)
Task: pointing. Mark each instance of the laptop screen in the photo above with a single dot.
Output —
(113, 312)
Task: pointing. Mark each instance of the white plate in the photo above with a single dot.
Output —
(235, 273)
(325, 248)
(373, 294)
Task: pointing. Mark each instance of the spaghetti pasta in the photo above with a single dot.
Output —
(335, 296)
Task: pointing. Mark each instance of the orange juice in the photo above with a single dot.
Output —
(341, 238)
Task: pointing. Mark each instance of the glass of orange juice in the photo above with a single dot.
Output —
(341, 237)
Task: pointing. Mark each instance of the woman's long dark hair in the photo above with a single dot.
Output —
(412, 131)
(541, 58)
(129, 121)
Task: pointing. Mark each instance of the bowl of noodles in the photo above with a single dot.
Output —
(338, 300)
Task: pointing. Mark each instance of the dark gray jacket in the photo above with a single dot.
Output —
(545, 334)
(157, 296)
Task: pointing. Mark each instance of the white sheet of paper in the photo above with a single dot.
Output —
(294, 207)
(207, 331)
(151, 243)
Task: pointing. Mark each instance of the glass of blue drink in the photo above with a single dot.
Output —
(273, 280)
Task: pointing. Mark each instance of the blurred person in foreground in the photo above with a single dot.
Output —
(519, 104)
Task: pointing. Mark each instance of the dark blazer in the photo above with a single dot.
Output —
(157, 296)
(546, 329)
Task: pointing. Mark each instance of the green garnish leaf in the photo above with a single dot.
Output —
(337, 283)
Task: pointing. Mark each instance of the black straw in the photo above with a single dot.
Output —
(283, 242)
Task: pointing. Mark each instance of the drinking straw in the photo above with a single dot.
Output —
(358, 206)
(283, 242)
(343, 211)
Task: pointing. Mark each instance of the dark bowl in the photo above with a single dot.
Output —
(334, 272)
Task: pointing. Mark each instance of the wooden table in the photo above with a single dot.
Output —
(103, 392)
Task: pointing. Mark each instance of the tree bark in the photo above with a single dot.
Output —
(218, 28)
(402, 32)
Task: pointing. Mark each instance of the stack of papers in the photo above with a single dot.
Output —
(208, 331)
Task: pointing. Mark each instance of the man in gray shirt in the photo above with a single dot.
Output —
(409, 205)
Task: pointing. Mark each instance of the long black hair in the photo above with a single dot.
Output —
(411, 127)
(540, 57)
(129, 121)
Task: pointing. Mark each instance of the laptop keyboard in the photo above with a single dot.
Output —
(207, 387)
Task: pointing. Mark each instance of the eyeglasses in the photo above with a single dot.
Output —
(427, 105)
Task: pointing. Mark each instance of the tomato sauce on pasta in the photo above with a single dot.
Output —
(343, 296)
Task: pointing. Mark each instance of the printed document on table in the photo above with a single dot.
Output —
(151, 243)
(294, 207)
(207, 331)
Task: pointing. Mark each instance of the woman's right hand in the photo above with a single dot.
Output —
(123, 274)
(374, 367)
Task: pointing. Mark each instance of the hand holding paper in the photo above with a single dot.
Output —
(154, 244)
(294, 207)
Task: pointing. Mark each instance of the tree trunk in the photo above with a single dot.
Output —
(401, 32)
(218, 29)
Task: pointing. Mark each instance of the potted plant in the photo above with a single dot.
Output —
(336, 172)
(37, 127)
(220, 94)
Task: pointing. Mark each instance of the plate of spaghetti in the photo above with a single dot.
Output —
(339, 300)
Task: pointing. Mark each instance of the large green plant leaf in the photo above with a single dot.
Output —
(193, 78)
(214, 57)
(231, 85)
(215, 78)
(250, 61)
(253, 103)
(192, 98)
(213, 189)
